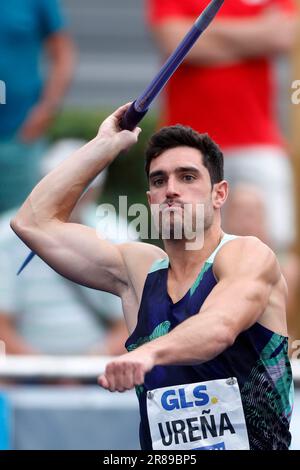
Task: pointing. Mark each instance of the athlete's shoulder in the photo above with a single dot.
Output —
(142, 255)
(246, 256)
(246, 244)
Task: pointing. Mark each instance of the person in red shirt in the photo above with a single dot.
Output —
(226, 88)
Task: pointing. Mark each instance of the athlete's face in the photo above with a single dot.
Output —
(180, 182)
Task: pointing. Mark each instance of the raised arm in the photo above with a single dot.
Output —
(247, 272)
(231, 40)
(76, 251)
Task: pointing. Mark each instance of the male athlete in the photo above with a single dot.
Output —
(208, 334)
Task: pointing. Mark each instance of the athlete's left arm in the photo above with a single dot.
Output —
(246, 271)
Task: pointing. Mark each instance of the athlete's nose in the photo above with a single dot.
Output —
(172, 190)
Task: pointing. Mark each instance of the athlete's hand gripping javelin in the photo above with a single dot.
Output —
(110, 129)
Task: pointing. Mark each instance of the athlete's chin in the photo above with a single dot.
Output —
(174, 231)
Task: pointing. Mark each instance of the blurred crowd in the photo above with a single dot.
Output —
(226, 88)
(41, 312)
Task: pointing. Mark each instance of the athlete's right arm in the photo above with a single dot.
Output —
(76, 251)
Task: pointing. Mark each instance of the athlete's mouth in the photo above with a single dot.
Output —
(171, 205)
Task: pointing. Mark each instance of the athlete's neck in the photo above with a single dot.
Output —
(183, 261)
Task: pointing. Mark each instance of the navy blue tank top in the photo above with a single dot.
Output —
(258, 359)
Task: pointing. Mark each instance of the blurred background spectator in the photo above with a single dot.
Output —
(43, 313)
(226, 88)
(29, 31)
(246, 214)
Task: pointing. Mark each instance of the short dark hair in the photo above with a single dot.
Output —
(178, 136)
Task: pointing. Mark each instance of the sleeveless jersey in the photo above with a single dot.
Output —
(258, 360)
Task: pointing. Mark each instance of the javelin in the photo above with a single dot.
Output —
(141, 105)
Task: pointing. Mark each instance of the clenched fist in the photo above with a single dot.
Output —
(127, 371)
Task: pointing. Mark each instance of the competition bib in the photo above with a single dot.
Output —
(200, 416)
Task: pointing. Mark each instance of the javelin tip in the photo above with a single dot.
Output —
(27, 261)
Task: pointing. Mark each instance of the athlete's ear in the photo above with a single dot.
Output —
(148, 197)
(220, 194)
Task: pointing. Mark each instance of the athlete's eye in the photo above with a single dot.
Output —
(188, 178)
(158, 182)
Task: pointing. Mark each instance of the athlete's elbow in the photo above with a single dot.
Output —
(15, 225)
(229, 337)
(226, 335)
(20, 227)
(23, 222)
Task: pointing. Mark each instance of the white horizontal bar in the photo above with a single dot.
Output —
(68, 367)
(52, 367)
